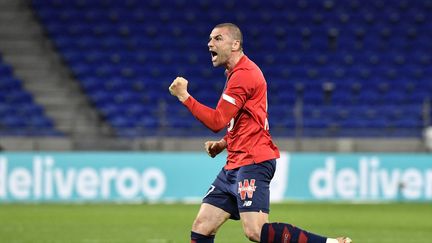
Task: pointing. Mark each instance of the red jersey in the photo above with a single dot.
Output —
(243, 106)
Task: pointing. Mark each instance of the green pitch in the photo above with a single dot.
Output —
(376, 223)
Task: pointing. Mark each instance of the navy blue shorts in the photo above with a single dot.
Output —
(245, 189)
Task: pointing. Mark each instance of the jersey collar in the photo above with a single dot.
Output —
(239, 65)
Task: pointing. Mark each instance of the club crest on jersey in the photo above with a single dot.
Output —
(246, 188)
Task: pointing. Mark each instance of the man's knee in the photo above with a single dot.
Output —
(202, 226)
(252, 232)
(209, 219)
(252, 224)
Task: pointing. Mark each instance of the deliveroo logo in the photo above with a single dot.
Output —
(370, 181)
(43, 179)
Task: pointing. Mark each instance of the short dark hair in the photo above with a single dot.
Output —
(234, 31)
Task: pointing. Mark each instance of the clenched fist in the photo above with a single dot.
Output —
(178, 88)
(213, 148)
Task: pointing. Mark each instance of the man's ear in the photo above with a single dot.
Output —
(236, 45)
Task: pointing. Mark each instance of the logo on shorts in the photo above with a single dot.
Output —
(246, 188)
(247, 203)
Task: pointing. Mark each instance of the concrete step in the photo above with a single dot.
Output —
(29, 61)
(66, 116)
(17, 20)
(71, 116)
(51, 100)
(44, 82)
(31, 65)
(76, 125)
(11, 32)
(8, 10)
(79, 108)
(37, 143)
(12, 45)
(59, 93)
(47, 89)
(27, 22)
(22, 47)
(54, 86)
(38, 75)
(21, 52)
(15, 15)
(7, 4)
(21, 43)
(45, 85)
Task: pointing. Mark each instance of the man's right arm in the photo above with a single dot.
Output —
(214, 119)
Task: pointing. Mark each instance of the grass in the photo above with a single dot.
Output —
(160, 223)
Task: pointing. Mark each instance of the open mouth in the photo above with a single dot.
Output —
(214, 55)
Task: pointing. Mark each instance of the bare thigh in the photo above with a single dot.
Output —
(209, 219)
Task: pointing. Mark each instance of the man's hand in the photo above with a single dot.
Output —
(213, 148)
(178, 88)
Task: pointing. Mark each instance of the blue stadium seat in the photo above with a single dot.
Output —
(334, 56)
(19, 114)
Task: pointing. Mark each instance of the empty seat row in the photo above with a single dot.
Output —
(19, 114)
(356, 68)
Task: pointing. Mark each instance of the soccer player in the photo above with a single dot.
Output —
(241, 189)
